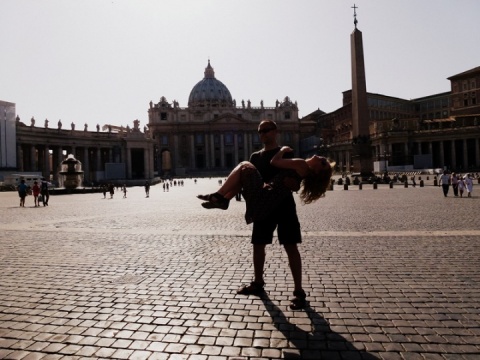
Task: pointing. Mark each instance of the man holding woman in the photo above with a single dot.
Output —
(268, 180)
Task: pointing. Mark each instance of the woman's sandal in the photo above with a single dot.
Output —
(299, 301)
(214, 201)
(254, 288)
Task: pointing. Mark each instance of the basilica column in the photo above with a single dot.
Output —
(442, 155)
(222, 152)
(176, 153)
(246, 154)
(211, 150)
(206, 141)
(146, 163)
(191, 139)
(477, 152)
(454, 155)
(419, 148)
(465, 155)
(235, 148)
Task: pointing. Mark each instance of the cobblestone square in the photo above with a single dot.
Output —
(389, 273)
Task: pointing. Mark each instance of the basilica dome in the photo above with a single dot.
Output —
(210, 91)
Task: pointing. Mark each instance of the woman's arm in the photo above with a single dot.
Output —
(299, 165)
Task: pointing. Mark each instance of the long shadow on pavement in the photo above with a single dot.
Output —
(320, 343)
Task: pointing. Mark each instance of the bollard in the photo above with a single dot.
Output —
(421, 183)
(391, 184)
(374, 186)
(435, 182)
(406, 184)
(360, 186)
(345, 186)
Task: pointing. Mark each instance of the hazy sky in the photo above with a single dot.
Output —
(98, 61)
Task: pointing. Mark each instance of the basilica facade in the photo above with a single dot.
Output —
(214, 132)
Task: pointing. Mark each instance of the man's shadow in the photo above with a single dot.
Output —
(321, 341)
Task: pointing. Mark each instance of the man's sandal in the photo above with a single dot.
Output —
(299, 301)
(254, 288)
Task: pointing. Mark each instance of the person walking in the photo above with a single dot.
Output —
(460, 185)
(22, 189)
(445, 182)
(36, 192)
(284, 219)
(147, 189)
(454, 182)
(44, 191)
(468, 185)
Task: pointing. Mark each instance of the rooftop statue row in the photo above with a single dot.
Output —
(163, 103)
(109, 128)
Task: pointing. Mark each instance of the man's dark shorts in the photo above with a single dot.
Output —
(288, 230)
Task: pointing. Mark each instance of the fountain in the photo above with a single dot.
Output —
(71, 171)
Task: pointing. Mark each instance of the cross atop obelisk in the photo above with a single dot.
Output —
(354, 7)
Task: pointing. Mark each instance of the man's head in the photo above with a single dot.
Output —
(267, 131)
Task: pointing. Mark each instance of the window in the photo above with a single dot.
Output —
(199, 139)
(228, 139)
(164, 140)
(163, 116)
(287, 115)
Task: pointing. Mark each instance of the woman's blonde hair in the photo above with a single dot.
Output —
(315, 185)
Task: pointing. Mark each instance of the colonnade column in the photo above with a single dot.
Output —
(86, 165)
(419, 148)
(146, 161)
(129, 163)
(46, 162)
(98, 165)
(33, 157)
(20, 159)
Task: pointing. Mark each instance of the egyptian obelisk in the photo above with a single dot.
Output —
(362, 152)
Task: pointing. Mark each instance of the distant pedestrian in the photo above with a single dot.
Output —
(111, 188)
(104, 190)
(445, 182)
(168, 187)
(44, 191)
(468, 185)
(414, 183)
(147, 189)
(454, 182)
(36, 192)
(460, 185)
(22, 189)
(124, 191)
(163, 187)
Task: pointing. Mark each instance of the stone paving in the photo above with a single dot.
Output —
(390, 273)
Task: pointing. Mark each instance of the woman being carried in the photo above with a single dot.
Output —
(311, 175)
